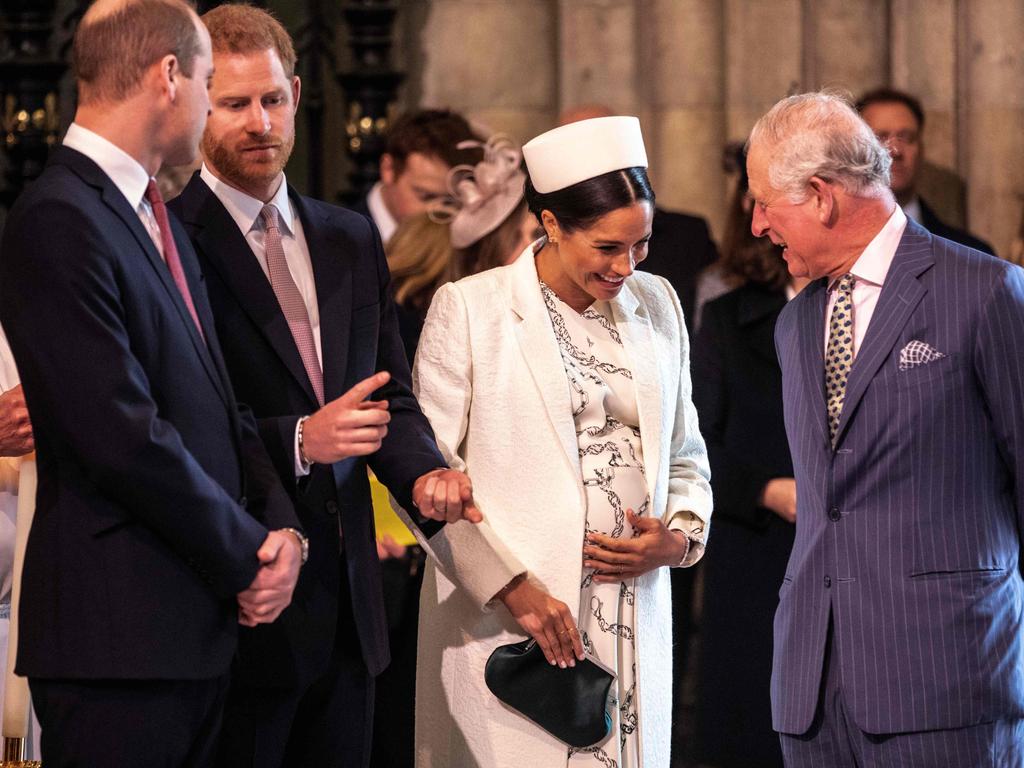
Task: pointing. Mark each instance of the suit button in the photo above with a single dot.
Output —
(834, 515)
(243, 502)
(828, 582)
(331, 507)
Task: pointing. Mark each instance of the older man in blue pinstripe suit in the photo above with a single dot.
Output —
(898, 633)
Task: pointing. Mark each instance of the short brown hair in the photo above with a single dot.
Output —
(240, 28)
(112, 52)
(434, 133)
(891, 96)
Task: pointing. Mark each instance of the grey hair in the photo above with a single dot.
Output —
(820, 134)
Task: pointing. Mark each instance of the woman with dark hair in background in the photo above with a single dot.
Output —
(561, 384)
(737, 388)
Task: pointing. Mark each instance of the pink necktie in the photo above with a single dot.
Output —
(292, 305)
(171, 257)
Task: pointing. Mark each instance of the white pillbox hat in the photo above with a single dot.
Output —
(579, 151)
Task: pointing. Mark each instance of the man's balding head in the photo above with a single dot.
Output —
(118, 40)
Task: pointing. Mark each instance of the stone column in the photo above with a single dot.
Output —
(684, 71)
(599, 49)
(846, 44)
(991, 116)
(763, 58)
(924, 63)
(495, 61)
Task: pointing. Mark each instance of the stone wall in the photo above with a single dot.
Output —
(699, 72)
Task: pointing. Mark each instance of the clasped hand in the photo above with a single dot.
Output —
(15, 427)
(619, 559)
(446, 495)
(271, 591)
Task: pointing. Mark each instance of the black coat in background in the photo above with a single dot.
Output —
(680, 248)
(936, 226)
(737, 389)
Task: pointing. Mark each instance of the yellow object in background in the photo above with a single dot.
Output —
(384, 517)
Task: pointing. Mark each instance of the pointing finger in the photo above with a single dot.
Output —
(365, 388)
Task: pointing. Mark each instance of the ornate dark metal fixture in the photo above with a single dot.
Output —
(370, 87)
(29, 86)
(315, 48)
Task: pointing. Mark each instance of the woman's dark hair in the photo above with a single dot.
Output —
(579, 206)
(745, 258)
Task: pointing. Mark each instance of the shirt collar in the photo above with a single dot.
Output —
(124, 170)
(380, 214)
(245, 209)
(873, 264)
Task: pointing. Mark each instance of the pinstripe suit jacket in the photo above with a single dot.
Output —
(909, 532)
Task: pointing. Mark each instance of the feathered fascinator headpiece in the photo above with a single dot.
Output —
(485, 194)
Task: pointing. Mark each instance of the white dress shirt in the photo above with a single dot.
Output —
(386, 223)
(245, 210)
(869, 272)
(124, 170)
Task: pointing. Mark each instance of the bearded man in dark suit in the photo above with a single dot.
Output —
(299, 290)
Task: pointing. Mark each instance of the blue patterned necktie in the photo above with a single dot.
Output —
(839, 353)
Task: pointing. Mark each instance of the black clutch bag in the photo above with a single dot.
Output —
(570, 704)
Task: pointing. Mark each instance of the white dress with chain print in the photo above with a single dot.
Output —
(611, 460)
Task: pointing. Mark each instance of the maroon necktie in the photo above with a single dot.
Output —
(171, 256)
(288, 296)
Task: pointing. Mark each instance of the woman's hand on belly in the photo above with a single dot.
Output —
(614, 559)
(545, 619)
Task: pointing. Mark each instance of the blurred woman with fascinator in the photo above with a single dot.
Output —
(561, 384)
(485, 224)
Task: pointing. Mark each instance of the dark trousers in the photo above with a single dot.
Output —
(326, 724)
(127, 723)
(834, 740)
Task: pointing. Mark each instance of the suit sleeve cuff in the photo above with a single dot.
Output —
(693, 528)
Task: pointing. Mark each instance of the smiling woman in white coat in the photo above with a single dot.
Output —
(561, 384)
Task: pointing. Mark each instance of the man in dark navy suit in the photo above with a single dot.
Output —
(299, 291)
(898, 120)
(898, 636)
(150, 541)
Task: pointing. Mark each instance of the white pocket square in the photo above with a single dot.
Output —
(918, 353)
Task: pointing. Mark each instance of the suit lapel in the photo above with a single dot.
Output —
(329, 249)
(811, 329)
(114, 200)
(901, 293)
(540, 350)
(224, 246)
(639, 342)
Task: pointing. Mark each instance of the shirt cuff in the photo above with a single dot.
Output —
(301, 467)
(692, 527)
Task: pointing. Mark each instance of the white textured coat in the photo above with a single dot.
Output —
(490, 378)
